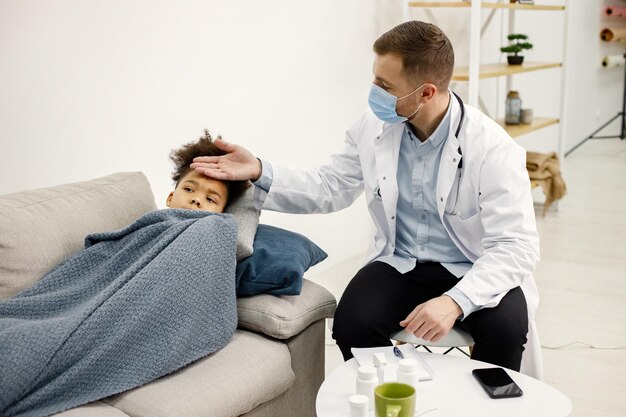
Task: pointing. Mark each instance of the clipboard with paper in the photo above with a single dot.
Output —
(364, 356)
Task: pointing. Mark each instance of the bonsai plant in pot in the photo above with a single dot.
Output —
(519, 44)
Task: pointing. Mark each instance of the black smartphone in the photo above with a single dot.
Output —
(497, 383)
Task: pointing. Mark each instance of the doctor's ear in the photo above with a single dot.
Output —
(429, 91)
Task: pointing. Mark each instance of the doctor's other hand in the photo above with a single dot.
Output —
(238, 163)
(433, 319)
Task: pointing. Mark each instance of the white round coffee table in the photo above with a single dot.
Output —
(453, 391)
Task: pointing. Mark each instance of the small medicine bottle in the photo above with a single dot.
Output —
(358, 405)
(407, 373)
(366, 381)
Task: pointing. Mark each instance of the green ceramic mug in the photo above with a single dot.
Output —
(394, 400)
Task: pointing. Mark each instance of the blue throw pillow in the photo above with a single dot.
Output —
(278, 262)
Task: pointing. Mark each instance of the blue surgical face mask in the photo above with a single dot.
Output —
(383, 104)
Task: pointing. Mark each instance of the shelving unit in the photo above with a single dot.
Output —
(477, 71)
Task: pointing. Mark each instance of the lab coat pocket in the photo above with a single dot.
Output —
(468, 231)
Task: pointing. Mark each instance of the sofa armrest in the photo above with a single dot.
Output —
(283, 317)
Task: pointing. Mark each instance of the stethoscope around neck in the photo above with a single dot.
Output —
(459, 166)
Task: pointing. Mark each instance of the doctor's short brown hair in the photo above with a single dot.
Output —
(425, 50)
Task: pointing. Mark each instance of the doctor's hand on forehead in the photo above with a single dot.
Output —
(237, 165)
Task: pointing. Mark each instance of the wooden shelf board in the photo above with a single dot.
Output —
(489, 5)
(518, 130)
(439, 4)
(485, 5)
(503, 69)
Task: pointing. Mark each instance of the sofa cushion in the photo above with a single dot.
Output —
(249, 371)
(279, 261)
(40, 228)
(287, 315)
(94, 409)
(247, 218)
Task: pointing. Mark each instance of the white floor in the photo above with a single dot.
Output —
(582, 281)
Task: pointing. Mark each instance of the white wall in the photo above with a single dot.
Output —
(595, 94)
(90, 87)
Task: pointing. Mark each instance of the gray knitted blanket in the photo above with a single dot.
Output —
(134, 305)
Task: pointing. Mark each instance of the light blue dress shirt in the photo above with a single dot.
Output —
(420, 235)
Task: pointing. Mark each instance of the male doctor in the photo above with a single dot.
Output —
(448, 191)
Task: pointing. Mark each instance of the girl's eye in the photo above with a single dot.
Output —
(210, 200)
(188, 189)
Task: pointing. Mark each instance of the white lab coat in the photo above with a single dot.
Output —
(494, 220)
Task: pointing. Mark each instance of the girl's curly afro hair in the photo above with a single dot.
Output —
(204, 146)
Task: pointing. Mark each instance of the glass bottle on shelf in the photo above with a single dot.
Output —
(513, 112)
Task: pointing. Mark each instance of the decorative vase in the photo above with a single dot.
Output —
(515, 59)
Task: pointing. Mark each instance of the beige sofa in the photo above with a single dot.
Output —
(274, 364)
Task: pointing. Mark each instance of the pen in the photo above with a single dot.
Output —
(398, 352)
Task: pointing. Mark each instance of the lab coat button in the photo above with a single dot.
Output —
(441, 199)
(453, 159)
(384, 178)
(393, 217)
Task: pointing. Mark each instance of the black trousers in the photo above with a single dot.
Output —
(379, 297)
